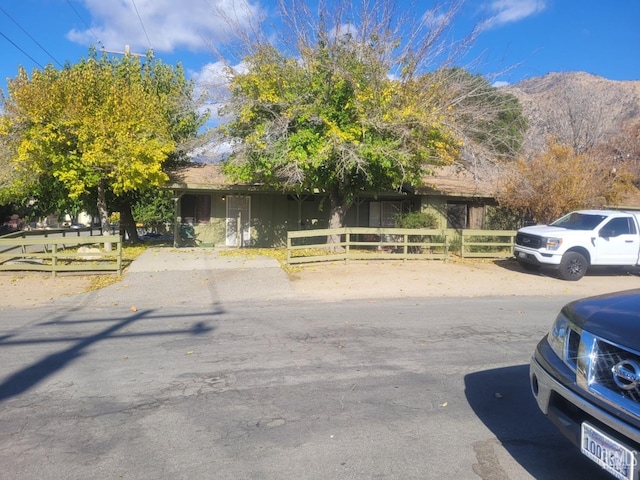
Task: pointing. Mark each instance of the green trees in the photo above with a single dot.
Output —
(330, 122)
(487, 119)
(349, 104)
(103, 126)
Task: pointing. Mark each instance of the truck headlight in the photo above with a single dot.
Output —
(558, 337)
(552, 243)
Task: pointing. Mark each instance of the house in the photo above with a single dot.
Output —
(221, 212)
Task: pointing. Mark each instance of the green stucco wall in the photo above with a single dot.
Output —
(273, 214)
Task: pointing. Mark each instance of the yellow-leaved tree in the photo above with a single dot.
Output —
(103, 126)
(358, 97)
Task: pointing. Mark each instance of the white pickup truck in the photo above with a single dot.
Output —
(580, 239)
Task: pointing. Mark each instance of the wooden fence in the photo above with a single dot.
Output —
(486, 243)
(362, 243)
(59, 253)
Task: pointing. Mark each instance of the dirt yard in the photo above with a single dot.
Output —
(33, 289)
(369, 280)
(438, 279)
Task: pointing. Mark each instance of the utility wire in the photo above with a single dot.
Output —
(85, 23)
(14, 44)
(33, 39)
(142, 24)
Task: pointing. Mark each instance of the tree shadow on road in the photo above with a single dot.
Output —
(31, 375)
(502, 400)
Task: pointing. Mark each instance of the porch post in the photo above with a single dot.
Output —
(176, 224)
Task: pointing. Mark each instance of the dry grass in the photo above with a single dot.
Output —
(279, 254)
(129, 254)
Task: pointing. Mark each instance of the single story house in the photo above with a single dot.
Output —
(220, 212)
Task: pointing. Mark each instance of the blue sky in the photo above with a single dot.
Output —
(520, 38)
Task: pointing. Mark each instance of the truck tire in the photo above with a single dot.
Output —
(573, 266)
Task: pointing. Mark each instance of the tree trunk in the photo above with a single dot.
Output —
(339, 207)
(127, 222)
(103, 213)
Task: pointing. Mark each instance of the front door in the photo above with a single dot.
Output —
(238, 221)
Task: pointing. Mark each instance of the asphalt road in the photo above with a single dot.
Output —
(222, 373)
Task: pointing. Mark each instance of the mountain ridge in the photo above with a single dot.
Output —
(558, 102)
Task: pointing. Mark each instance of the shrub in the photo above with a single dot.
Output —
(416, 220)
(503, 218)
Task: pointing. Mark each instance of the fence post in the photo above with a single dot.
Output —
(446, 245)
(119, 261)
(347, 237)
(405, 247)
(462, 240)
(54, 259)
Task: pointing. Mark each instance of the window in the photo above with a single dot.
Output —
(619, 226)
(457, 215)
(383, 214)
(195, 208)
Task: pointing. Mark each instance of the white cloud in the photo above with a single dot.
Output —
(169, 25)
(434, 19)
(343, 31)
(212, 80)
(213, 152)
(212, 74)
(502, 12)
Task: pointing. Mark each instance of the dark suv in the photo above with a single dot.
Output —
(585, 376)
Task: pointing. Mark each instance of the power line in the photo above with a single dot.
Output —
(33, 39)
(85, 23)
(14, 44)
(142, 24)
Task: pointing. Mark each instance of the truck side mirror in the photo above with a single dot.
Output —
(606, 233)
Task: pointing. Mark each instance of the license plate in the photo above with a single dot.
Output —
(614, 457)
(522, 254)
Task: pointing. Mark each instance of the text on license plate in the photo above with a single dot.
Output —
(608, 453)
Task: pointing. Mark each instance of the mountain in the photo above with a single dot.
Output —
(580, 108)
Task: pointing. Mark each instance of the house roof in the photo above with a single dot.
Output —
(199, 175)
(449, 181)
(454, 181)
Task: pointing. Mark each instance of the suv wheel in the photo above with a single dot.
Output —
(573, 266)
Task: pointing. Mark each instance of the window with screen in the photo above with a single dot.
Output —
(195, 208)
(384, 214)
(457, 215)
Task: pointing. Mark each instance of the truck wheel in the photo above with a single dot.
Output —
(573, 266)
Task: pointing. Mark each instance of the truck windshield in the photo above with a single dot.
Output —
(579, 221)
